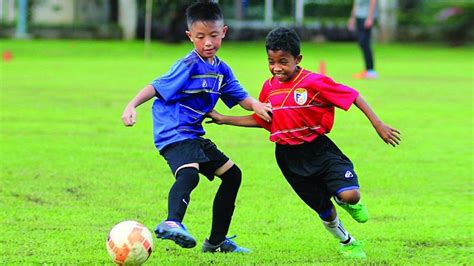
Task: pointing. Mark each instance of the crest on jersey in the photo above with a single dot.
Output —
(301, 95)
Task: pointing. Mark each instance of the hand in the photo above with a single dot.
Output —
(389, 135)
(216, 117)
(351, 24)
(368, 23)
(263, 110)
(129, 116)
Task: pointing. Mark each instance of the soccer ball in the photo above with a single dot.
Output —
(129, 243)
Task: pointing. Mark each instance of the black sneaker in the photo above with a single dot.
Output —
(226, 246)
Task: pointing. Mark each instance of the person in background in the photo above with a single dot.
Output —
(364, 13)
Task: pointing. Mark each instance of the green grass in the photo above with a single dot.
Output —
(70, 170)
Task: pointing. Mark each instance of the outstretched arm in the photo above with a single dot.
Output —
(389, 135)
(129, 115)
(261, 109)
(242, 121)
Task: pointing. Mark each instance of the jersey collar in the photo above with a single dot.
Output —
(215, 59)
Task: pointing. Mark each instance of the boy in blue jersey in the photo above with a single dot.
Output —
(184, 95)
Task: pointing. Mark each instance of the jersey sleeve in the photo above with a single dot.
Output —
(334, 93)
(262, 97)
(231, 91)
(170, 83)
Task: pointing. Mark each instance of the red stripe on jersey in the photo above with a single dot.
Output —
(303, 108)
(295, 82)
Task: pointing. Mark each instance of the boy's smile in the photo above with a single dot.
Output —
(207, 37)
(282, 64)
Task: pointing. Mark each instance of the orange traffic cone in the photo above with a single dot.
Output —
(322, 67)
(7, 56)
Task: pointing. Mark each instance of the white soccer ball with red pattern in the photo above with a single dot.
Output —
(129, 243)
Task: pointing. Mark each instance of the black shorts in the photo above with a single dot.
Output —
(201, 151)
(316, 171)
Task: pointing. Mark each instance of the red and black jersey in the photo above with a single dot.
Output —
(303, 108)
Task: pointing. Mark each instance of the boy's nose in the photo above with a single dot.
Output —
(276, 68)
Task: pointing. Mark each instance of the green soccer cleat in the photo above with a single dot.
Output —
(353, 251)
(358, 211)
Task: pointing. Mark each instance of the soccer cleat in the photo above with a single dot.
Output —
(353, 250)
(175, 231)
(358, 211)
(226, 246)
(366, 74)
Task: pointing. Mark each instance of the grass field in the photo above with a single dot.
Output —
(70, 170)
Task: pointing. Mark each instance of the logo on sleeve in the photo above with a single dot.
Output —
(300, 95)
(348, 174)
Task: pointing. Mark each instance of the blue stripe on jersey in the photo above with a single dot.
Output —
(189, 90)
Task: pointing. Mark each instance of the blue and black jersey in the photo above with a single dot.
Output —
(186, 93)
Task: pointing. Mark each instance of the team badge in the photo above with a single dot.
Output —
(301, 95)
(348, 174)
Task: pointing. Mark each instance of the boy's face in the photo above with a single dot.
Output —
(207, 37)
(282, 64)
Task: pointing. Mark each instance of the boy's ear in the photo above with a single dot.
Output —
(188, 33)
(224, 31)
(299, 58)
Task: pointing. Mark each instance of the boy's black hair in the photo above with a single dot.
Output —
(203, 10)
(283, 39)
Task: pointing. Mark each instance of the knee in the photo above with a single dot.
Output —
(232, 176)
(188, 175)
(350, 196)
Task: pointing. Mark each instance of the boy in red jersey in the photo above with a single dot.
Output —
(302, 114)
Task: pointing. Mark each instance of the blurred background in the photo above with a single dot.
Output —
(318, 20)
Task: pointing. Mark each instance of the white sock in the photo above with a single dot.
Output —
(336, 228)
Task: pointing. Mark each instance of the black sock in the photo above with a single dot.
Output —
(224, 204)
(179, 196)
